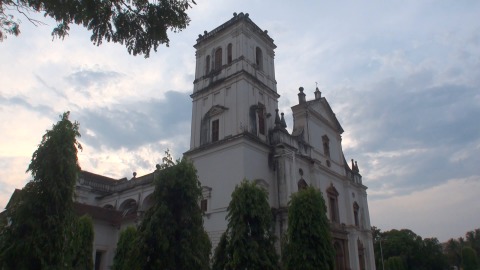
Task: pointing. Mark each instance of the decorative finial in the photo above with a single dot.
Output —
(301, 96)
(284, 124)
(278, 123)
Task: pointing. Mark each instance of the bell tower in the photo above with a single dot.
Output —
(234, 104)
(234, 89)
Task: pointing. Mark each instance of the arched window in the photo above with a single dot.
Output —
(259, 58)
(356, 209)
(128, 207)
(218, 59)
(326, 145)
(207, 64)
(332, 195)
(229, 53)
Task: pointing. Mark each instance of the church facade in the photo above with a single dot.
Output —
(238, 133)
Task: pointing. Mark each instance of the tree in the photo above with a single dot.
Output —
(433, 257)
(42, 216)
(469, 259)
(308, 242)
(81, 243)
(473, 239)
(453, 252)
(125, 254)
(139, 25)
(395, 263)
(171, 235)
(248, 242)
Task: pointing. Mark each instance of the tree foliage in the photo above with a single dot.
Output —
(395, 263)
(126, 253)
(248, 242)
(415, 252)
(171, 235)
(469, 259)
(42, 217)
(139, 25)
(81, 243)
(308, 242)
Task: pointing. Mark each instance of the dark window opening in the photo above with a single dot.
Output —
(98, 259)
(261, 122)
(218, 59)
(332, 195)
(215, 130)
(203, 205)
(207, 64)
(326, 145)
(229, 53)
(259, 58)
(355, 213)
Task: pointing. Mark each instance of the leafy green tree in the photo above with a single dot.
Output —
(171, 235)
(81, 243)
(472, 239)
(433, 257)
(395, 263)
(469, 259)
(220, 255)
(42, 217)
(139, 25)
(126, 253)
(453, 253)
(308, 242)
(248, 242)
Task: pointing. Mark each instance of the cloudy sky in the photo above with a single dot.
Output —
(402, 76)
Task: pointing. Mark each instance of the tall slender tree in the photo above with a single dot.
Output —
(171, 236)
(308, 243)
(248, 242)
(126, 256)
(42, 218)
(81, 243)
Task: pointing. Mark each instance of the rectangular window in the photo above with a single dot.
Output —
(355, 214)
(203, 205)
(333, 208)
(215, 130)
(261, 122)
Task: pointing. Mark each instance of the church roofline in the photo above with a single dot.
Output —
(241, 17)
(306, 105)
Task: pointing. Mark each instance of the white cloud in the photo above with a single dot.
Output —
(444, 211)
(401, 77)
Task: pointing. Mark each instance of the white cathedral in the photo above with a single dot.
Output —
(237, 133)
